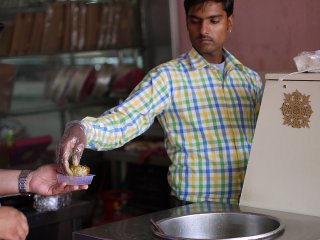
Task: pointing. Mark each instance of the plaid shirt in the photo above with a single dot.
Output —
(208, 119)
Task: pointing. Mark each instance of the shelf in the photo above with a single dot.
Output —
(134, 157)
(119, 160)
(54, 108)
(8, 11)
(112, 56)
(36, 6)
(11, 11)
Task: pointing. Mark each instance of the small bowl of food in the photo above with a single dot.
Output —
(80, 176)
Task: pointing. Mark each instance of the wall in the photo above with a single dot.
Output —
(268, 34)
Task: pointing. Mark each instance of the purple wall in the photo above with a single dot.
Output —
(268, 34)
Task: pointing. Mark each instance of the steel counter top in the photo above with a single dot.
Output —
(297, 226)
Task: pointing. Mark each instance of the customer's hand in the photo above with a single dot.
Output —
(44, 181)
(71, 146)
(13, 224)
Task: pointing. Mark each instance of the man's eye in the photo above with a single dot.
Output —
(194, 21)
(214, 21)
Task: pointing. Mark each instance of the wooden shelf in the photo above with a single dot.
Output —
(135, 156)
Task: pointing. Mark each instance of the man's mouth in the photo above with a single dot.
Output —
(204, 39)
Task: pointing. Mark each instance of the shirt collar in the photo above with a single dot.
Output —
(196, 61)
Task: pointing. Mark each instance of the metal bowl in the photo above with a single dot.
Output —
(225, 225)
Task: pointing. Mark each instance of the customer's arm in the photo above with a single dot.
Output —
(13, 224)
(9, 181)
(41, 181)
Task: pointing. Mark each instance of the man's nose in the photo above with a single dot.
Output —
(204, 28)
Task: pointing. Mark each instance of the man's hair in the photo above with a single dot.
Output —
(227, 5)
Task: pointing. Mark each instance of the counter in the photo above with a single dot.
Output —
(297, 226)
(53, 225)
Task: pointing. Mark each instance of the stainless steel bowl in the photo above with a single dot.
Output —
(225, 225)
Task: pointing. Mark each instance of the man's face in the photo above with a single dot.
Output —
(208, 26)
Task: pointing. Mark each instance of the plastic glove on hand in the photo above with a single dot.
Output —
(71, 146)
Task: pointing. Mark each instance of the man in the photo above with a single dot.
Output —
(13, 223)
(206, 102)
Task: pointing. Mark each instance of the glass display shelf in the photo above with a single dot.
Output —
(47, 108)
(112, 56)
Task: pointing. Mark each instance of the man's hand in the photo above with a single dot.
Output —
(13, 224)
(71, 145)
(44, 181)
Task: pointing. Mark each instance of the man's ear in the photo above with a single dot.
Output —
(230, 23)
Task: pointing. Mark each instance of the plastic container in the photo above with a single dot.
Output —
(72, 180)
(51, 203)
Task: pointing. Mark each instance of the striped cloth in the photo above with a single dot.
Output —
(208, 119)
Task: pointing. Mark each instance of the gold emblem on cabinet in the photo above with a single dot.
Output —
(296, 110)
